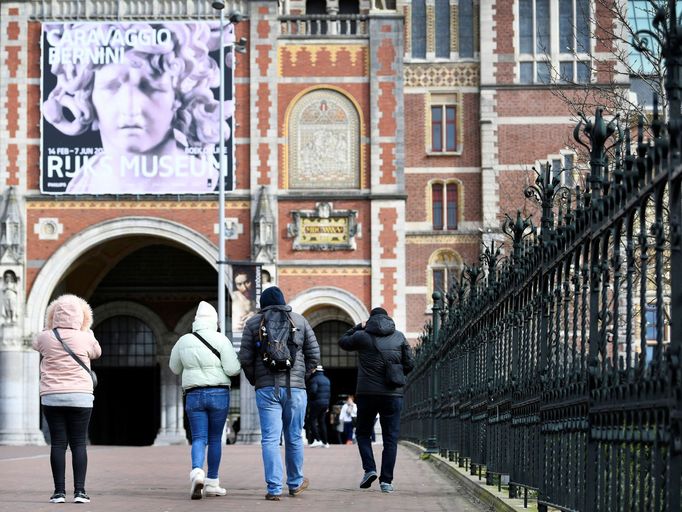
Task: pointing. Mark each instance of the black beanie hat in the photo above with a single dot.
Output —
(378, 311)
(272, 296)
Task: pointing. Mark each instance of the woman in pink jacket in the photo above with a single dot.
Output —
(66, 389)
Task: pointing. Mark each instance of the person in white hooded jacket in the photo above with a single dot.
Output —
(206, 359)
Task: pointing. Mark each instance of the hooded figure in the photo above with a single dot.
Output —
(206, 359)
(379, 345)
(66, 389)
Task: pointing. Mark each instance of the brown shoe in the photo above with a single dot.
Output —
(300, 488)
(272, 497)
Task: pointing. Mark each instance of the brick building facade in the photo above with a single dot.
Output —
(438, 125)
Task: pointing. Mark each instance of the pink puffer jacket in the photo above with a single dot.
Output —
(59, 372)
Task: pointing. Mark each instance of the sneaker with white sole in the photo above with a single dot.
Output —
(196, 477)
(81, 497)
(58, 497)
(212, 487)
(316, 443)
(326, 445)
(386, 487)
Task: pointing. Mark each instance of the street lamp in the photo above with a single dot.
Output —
(235, 17)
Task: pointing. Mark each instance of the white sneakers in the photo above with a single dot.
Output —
(196, 477)
(316, 443)
(212, 487)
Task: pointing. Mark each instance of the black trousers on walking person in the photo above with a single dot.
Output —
(318, 425)
(68, 426)
(389, 408)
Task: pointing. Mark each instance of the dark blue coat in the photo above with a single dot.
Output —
(319, 388)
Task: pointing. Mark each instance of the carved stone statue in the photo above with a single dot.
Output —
(9, 297)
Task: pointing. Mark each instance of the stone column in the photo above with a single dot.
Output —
(20, 390)
(172, 430)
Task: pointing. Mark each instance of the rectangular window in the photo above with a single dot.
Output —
(554, 41)
(568, 173)
(651, 318)
(442, 8)
(419, 29)
(437, 205)
(439, 280)
(443, 128)
(466, 28)
(451, 197)
(437, 128)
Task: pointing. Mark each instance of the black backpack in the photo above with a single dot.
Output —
(276, 341)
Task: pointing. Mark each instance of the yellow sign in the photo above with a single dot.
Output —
(320, 231)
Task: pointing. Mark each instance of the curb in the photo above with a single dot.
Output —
(495, 500)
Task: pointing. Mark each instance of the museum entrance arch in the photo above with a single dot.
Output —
(143, 284)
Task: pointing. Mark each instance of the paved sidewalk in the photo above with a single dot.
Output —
(155, 479)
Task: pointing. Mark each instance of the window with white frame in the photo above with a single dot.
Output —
(563, 167)
(443, 133)
(444, 205)
(554, 41)
(445, 267)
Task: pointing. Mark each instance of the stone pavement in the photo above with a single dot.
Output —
(155, 479)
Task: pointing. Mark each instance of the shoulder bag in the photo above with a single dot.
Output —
(394, 375)
(92, 373)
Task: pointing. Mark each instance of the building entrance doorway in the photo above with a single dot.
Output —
(127, 407)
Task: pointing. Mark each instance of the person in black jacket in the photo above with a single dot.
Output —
(319, 394)
(374, 395)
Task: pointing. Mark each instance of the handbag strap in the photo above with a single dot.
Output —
(208, 345)
(374, 344)
(70, 352)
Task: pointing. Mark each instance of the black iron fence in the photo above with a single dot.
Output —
(555, 366)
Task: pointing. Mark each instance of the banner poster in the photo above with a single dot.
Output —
(246, 290)
(133, 108)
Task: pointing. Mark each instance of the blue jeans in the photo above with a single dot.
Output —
(207, 411)
(281, 414)
(389, 408)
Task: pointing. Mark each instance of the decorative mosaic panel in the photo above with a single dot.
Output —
(324, 135)
(442, 75)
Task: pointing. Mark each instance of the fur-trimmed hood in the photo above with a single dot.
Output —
(69, 312)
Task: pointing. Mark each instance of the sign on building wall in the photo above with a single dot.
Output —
(323, 229)
(133, 108)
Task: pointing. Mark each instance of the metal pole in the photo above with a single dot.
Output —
(221, 184)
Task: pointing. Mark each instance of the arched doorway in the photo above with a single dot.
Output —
(130, 381)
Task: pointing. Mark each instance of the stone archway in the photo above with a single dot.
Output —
(331, 296)
(58, 264)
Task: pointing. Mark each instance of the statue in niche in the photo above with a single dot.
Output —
(9, 297)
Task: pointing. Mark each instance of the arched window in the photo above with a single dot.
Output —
(445, 267)
(444, 205)
(125, 341)
(324, 142)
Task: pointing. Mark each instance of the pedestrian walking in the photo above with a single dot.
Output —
(278, 351)
(319, 394)
(66, 347)
(385, 358)
(206, 359)
(349, 414)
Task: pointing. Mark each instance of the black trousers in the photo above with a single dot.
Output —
(68, 426)
(318, 426)
(389, 408)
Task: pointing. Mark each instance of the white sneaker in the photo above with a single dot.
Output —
(212, 487)
(316, 443)
(196, 476)
(326, 445)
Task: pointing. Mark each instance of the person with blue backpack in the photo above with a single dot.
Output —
(278, 351)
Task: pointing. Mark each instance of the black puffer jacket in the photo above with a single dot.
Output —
(319, 388)
(307, 354)
(392, 343)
